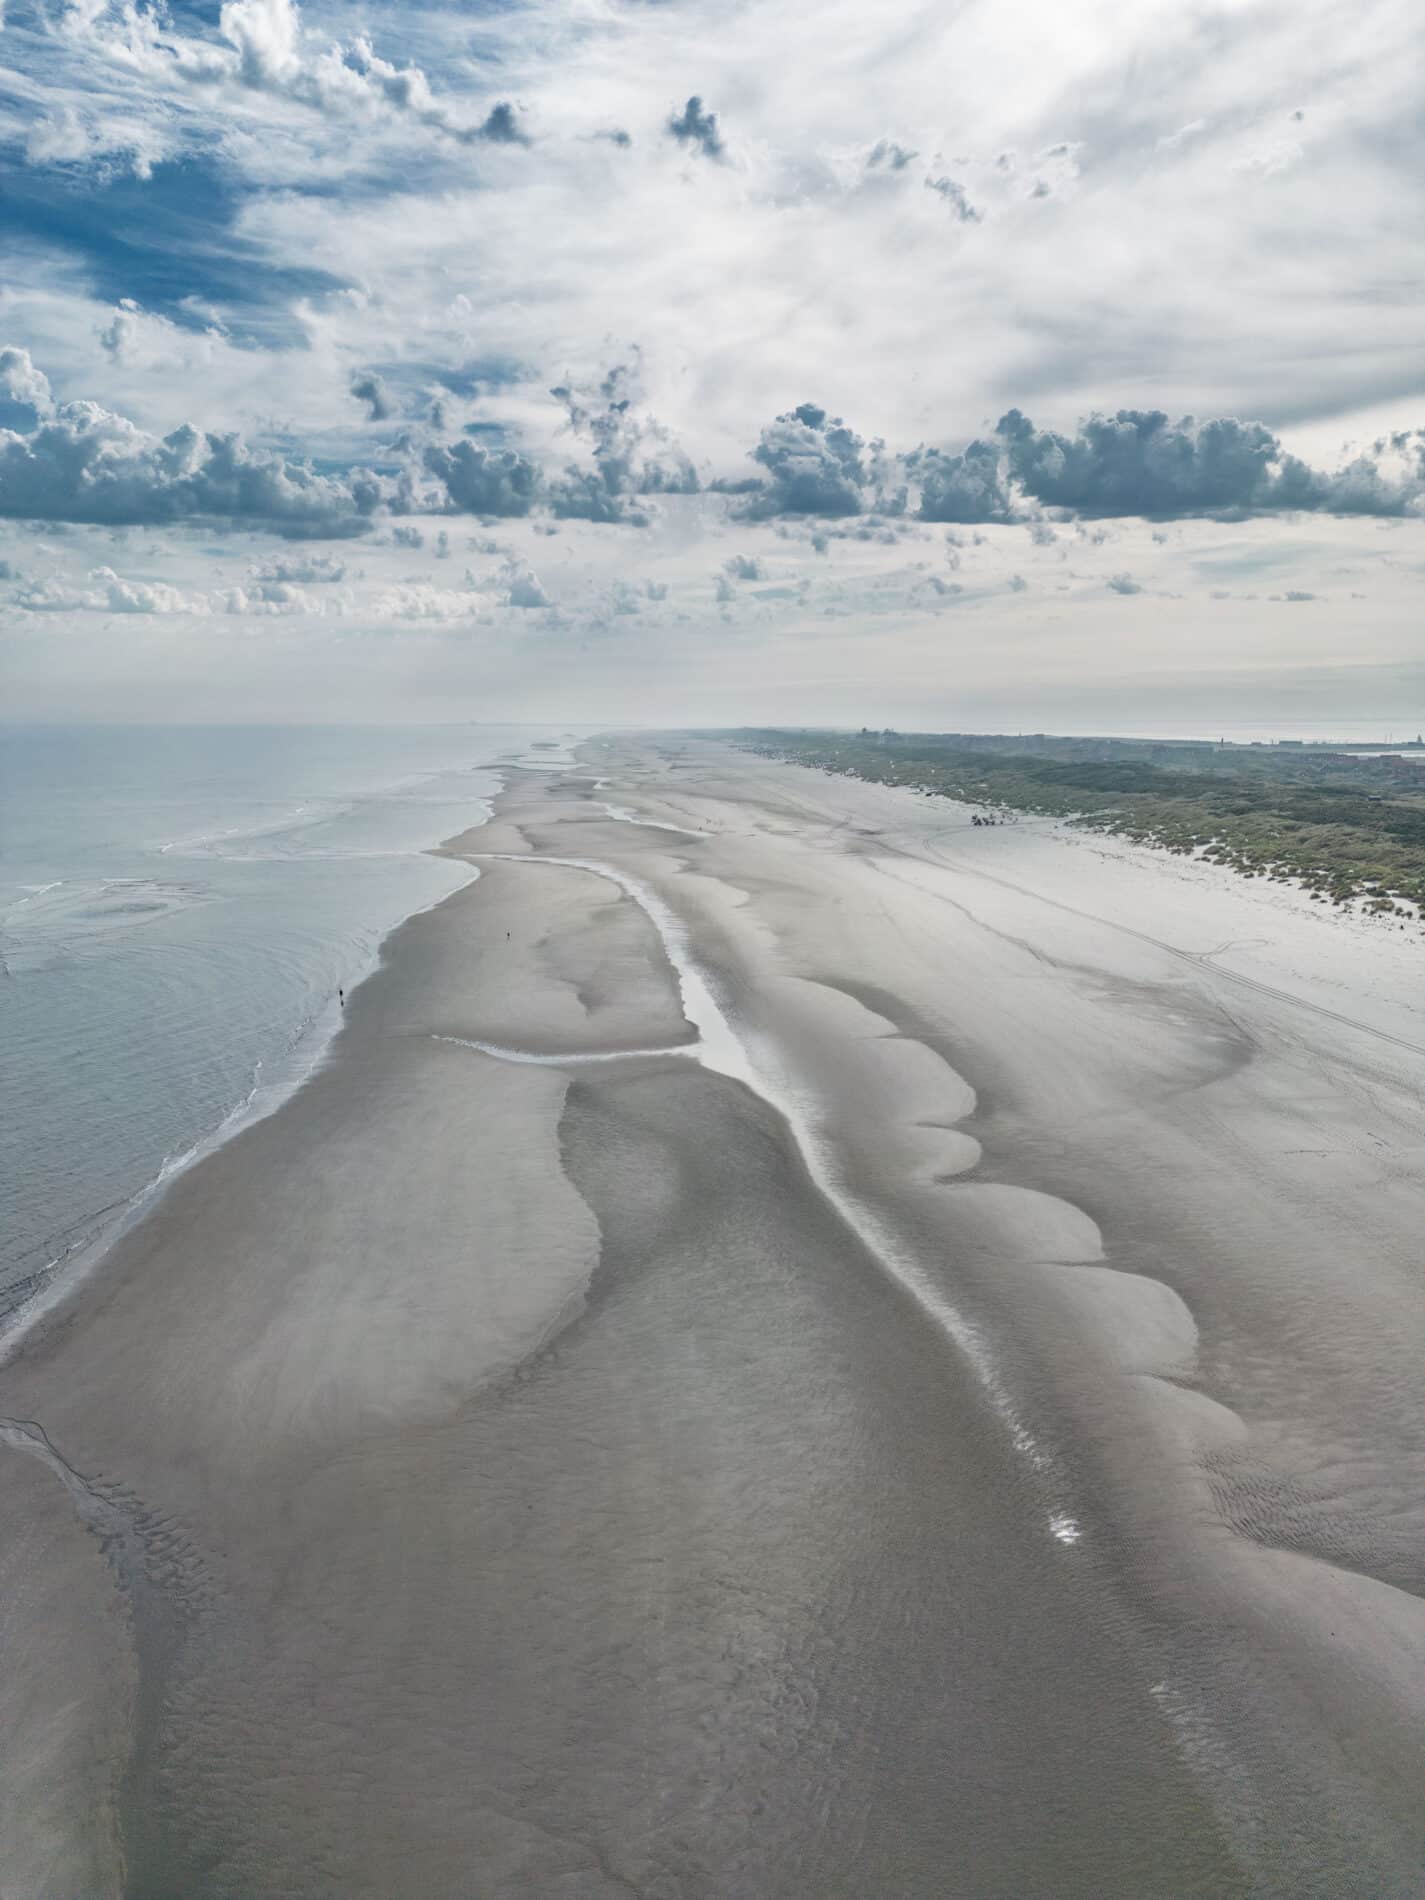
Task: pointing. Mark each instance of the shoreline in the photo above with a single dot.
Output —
(51, 1284)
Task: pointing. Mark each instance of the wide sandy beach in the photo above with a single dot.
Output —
(795, 1347)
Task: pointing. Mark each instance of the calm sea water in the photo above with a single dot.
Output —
(178, 908)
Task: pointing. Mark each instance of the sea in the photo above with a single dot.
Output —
(179, 907)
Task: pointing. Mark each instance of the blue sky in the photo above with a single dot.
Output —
(993, 364)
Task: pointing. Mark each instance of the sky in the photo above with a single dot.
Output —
(1008, 364)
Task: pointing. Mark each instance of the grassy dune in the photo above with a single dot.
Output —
(1345, 824)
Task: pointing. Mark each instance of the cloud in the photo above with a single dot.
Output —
(631, 453)
(522, 587)
(815, 464)
(956, 197)
(967, 487)
(1124, 584)
(406, 537)
(744, 567)
(270, 599)
(887, 155)
(368, 387)
(81, 462)
(307, 568)
(111, 593)
(480, 481)
(421, 601)
(1140, 462)
(501, 126)
(694, 126)
(24, 391)
(264, 48)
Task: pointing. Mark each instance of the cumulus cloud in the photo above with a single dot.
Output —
(966, 487)
(1124, 584)
(270, 599)
(522, 587)
(24, 390)
(109, 593)
(697, 127)
(263, 47)
(1137, 462)
(815, 466)
(478, 481)
(421, 601)
(744, 567)
(80, 462)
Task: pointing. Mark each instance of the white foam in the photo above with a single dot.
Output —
(627, 817)
(566, 1059)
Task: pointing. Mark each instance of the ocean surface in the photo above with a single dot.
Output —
(178, 907)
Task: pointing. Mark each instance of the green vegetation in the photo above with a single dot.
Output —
(1344, 822)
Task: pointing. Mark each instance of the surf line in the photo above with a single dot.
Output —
(718, 1047)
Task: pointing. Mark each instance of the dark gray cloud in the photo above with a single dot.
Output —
(815, 465)
(695, 126)
(484, 481)
(80, 462)
(744, 567)
(368, 387)
(501, 126)
(1138, 462)
(967, 487)
(408, 537)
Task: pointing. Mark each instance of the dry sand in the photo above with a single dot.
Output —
(804, 1349)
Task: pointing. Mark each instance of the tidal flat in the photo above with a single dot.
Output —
(794, 1347)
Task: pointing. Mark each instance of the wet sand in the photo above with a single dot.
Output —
(794, 1352)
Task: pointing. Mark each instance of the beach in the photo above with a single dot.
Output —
(792, 1347)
